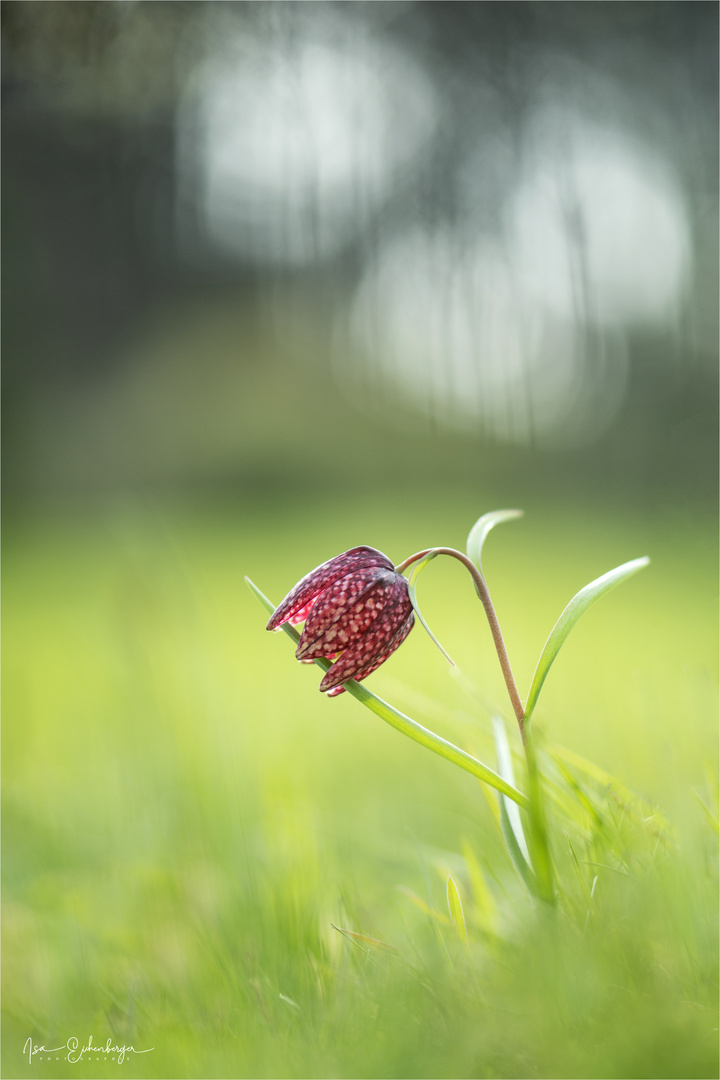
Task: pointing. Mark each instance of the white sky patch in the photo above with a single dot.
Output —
(597, 219)
(286, 148)
(522, 334)
(450, 331)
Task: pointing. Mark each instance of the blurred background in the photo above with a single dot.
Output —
(464, 237)
(285, 278)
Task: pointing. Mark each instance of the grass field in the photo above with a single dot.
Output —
(187, 822)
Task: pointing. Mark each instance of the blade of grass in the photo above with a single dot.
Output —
(423, 905)
(510, 823)
(578, 869)
(482, 527)
(354, 937)
(611, 784)
(538, 833)
(708, 814)
(516, 856)
(406, 725)
(455, 908)
(412, 577)
(484, 902)
(577, 607)
(504, 760)
(577, 790)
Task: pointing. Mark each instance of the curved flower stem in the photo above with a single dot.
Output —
(482, 591)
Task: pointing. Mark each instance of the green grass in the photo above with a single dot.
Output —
(186, 819)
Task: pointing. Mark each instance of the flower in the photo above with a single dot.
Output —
(355, 606)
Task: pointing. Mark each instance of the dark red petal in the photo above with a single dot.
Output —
(362, 654)
(302, 614)
(345, 610)
(395, 643)
(299, 600)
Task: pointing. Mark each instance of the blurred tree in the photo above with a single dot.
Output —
(92, 102)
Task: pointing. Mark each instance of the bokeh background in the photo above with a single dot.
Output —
(285, 278)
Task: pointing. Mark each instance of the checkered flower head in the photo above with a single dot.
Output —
(356, 608)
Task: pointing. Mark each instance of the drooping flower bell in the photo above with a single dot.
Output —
(356, 607)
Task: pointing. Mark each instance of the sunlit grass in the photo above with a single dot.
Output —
(186, 818)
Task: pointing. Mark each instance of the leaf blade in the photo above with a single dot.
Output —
(516, 856)
(539, 837)
(570, 615)
(423, 905)
(363, 938)
(457, 915)
(414, 573)
(510, 825)
(504, 760)
(483, 525)
(405, 724)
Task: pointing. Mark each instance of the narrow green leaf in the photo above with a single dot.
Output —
(708, 814)
(482, 527)
(581, 796)
(577, 607)
(412, 577)
(355, 938)
(581, 877)
(420, 903)
(510, 830)
(645, 811)
(538, 842)
(516, 855)
(560, 753)
(406, 725)
(483, 897)
(432, 741)
(505, 768)
(456, 910)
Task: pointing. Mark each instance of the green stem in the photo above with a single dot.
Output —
(431, 741)
(484, 594)
(538, 833)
